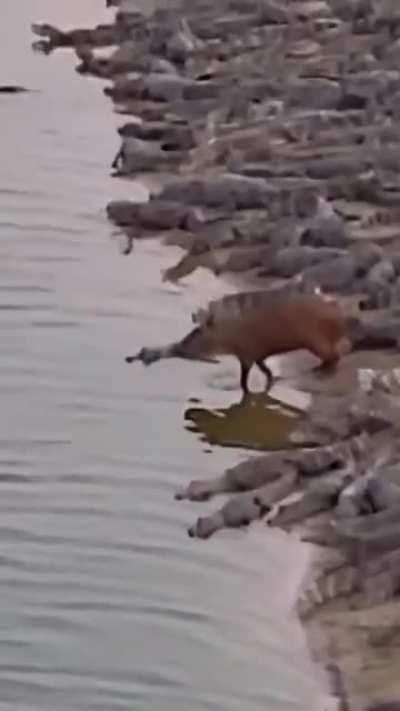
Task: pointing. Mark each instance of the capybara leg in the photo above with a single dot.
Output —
(330, 354)
(268, 374)
(343, 346)
(326, 352)
(244, 376)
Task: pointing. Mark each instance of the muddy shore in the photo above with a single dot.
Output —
(272, 132)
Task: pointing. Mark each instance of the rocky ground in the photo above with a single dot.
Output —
(272, 132)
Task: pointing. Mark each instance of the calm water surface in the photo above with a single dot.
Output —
(105, 603)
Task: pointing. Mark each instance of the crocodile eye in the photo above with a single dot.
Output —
(336, 464)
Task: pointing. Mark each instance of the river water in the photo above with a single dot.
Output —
(105, 603)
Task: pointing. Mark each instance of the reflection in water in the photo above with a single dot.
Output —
(257, 421)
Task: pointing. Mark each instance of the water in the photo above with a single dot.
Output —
(105, 603)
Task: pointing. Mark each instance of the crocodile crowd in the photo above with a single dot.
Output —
(340, 493)
(271, 133)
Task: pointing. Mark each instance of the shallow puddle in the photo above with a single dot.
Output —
(256, 421)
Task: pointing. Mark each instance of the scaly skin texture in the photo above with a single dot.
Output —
(266, 469)
(341, 474)
(345, 497)
(262, 485)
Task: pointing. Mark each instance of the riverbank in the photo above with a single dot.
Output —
(281, 123)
